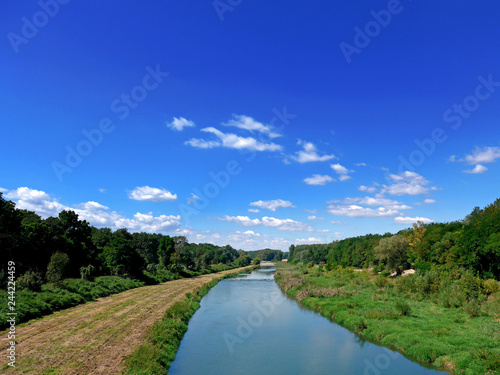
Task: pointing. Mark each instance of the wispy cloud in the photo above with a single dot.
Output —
(244, 221)
(341, 171)
(273, 205)
(407, 183)
(285, 224)
(317, 179)
(358, 211)
(233, 141)
(370, 201)
(309, 153)
(180, 123)
(147, 193)
(480, 156)
(367, 189)
(248, 123)
(411, 220)
(477, 169)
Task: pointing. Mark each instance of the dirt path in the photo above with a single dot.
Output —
(95, 337)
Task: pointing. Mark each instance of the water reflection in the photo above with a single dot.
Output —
(247, 326)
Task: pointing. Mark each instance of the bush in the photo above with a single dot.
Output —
(473, 308)
(30, 280)
(256, 261)
(86, 273)
(403, 308)
(57, 267)
(490, 286)
(381, 281)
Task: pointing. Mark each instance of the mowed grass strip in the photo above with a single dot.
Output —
(95, 337)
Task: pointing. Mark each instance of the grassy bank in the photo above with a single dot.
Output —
(164, 338)
(414, 315)
(52, 297)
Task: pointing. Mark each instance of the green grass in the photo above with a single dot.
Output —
(72, 292)
(419, 327)
(67, 293)
(157, 353)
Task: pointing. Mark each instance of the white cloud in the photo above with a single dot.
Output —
(309, 153)
(248, 123)
(272, 205)
(180, 123)
(407, 183)
(371, 201)
(322, 230)
(36, 200)
(103, 191)
(243, 221)
(285, 224)
(313, 217)
(147, 193)
(201, 143)
(311, 211)
(339, 169)
(318, 179)
(358, 211)
(94, 212)
(425, 201)
(360, 164)
(253, 210)
(307, 240)
(367, 189)
(411, 220)
(192, 198)
(477, 169)
(233, 141)
(483, 155)
(338, 222)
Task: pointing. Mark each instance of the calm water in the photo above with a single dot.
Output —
(247, 326)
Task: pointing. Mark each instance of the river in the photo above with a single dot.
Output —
(246, 325)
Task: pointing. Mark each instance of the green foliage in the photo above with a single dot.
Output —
(158, 352)
(242, 261)
(256, 261)
(403, 307)
(491, 286)
(381, 281)
(57, 267)
(464, 339)
(87, 273)
(30, 280)
(66, 293)
(392, 251)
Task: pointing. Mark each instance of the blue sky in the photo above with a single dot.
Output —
(257, 124)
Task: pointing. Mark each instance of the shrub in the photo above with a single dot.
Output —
(473, 308)
(86, 273)
(490, 286)
(403, 308)
(57, 267)
(451, 294)
(256, 261)
(381, 281)
(30, 280)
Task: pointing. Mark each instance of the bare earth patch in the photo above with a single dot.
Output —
(95, 337)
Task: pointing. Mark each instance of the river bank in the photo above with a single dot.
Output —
(95, 337)
(447, 338)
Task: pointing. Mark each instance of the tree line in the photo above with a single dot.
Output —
(472, 244)
(51, 249)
